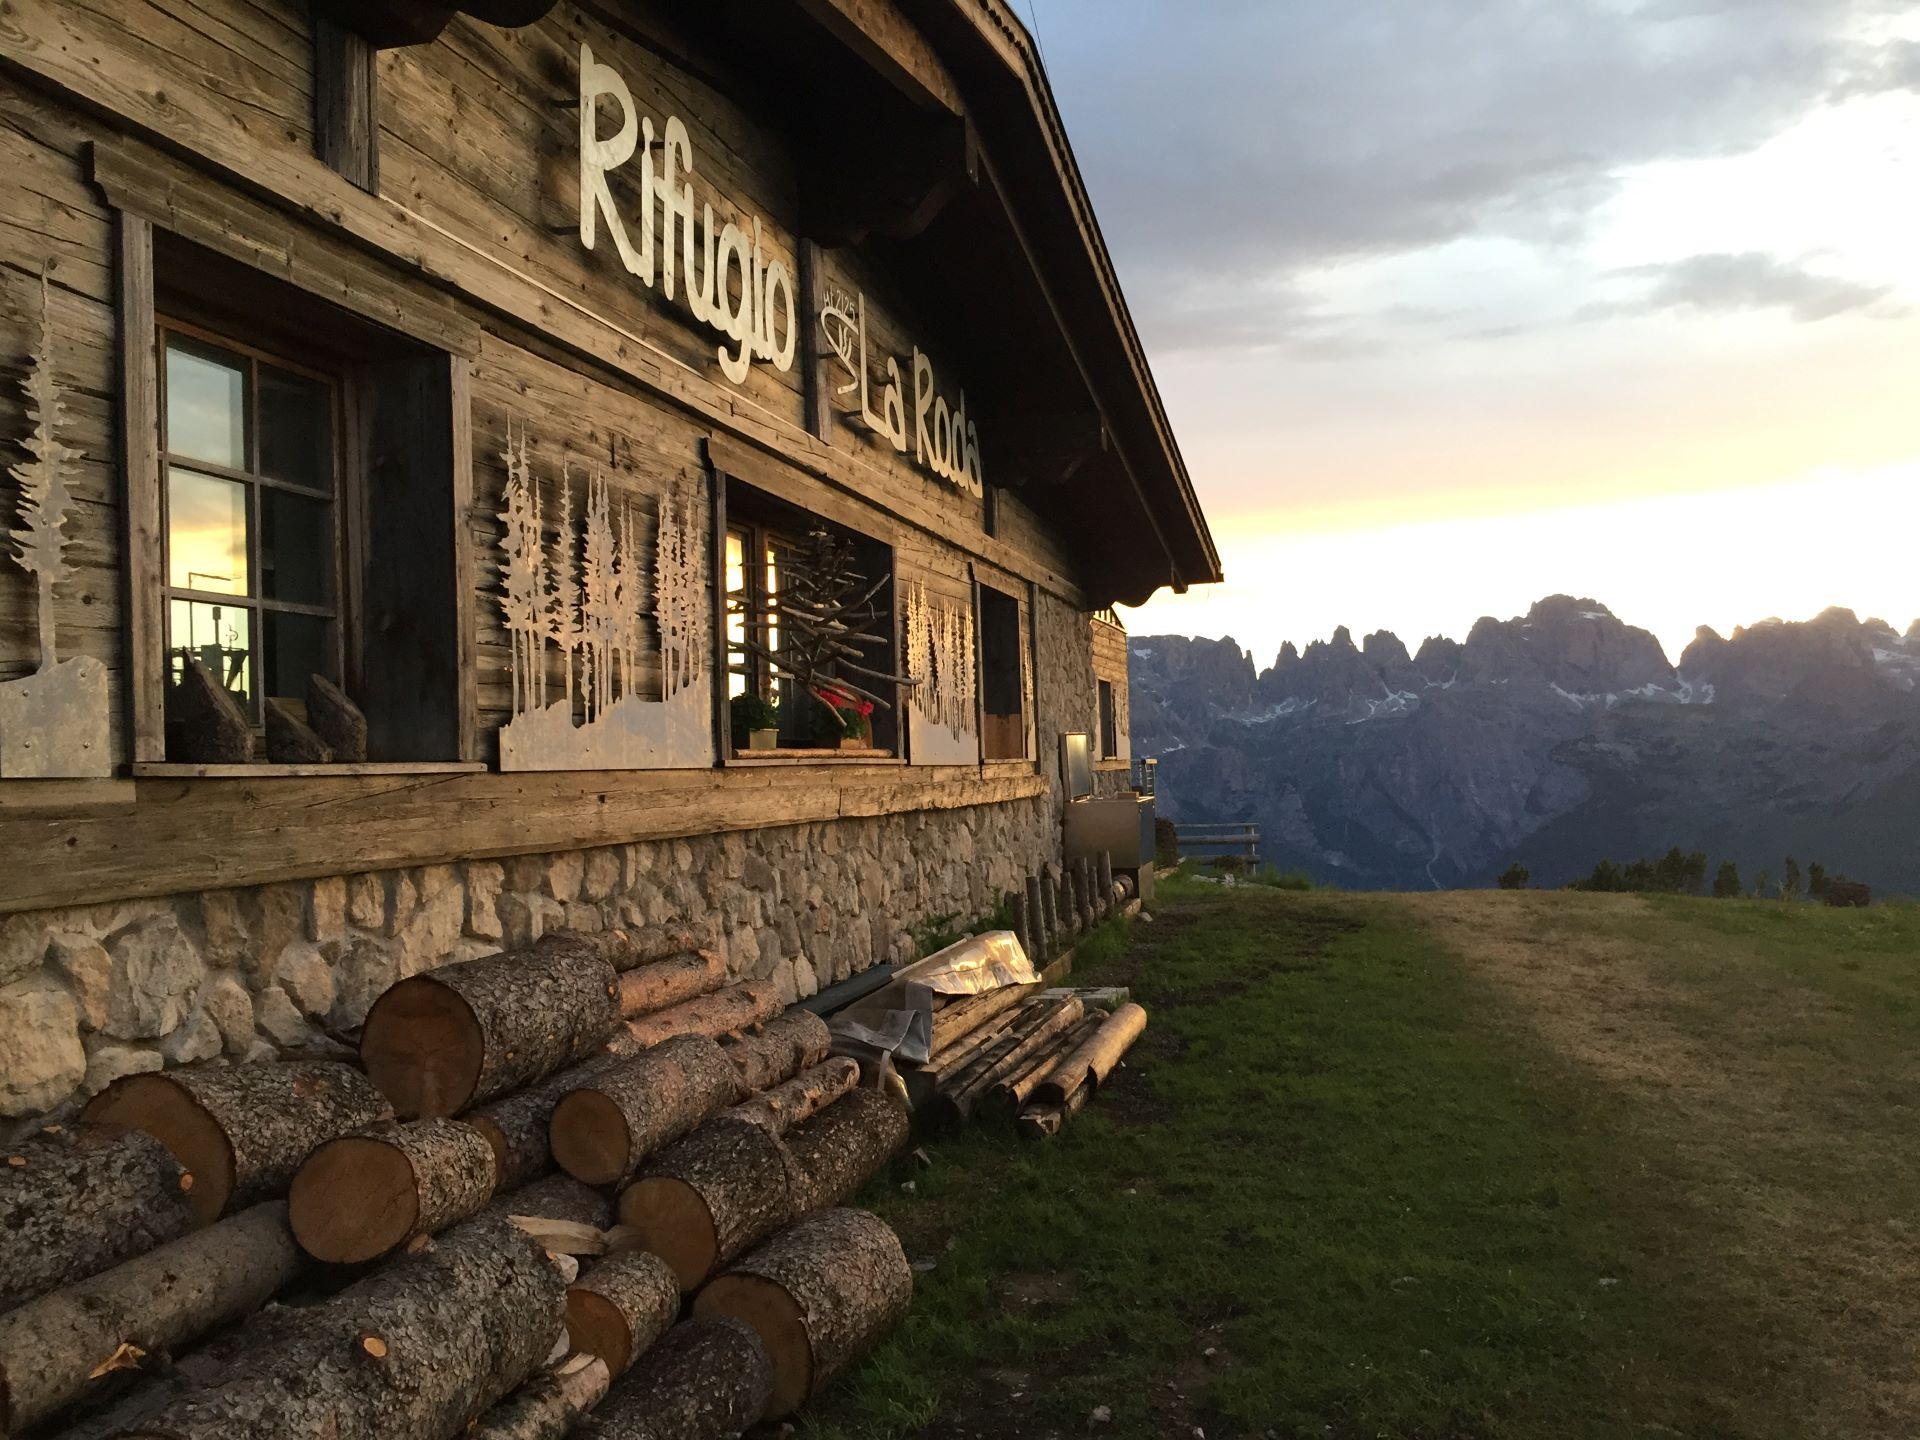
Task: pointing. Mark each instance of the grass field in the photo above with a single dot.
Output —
(1459, 1165)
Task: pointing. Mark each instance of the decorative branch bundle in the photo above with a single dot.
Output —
(438, 1042)
(821, 1294)
(53, 1350)
(830, 626)
(241, 1130)
(75, 1202)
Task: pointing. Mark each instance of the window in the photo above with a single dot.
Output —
(1002, 677)
(766, 539)
(250, 453)
(1109, 724)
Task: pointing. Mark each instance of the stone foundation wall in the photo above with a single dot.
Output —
(93, 993)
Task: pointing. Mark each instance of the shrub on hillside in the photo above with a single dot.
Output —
(1515, 877)
(1726, 884)
(1166, 842)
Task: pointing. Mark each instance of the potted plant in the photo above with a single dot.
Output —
(756, 723)
(844, 719)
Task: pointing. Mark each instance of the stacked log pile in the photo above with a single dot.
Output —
(1037, 1060)
(291, 1249)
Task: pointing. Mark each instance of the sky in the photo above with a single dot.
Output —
(1459, 303)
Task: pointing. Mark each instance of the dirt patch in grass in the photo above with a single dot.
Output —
(1771, 1098)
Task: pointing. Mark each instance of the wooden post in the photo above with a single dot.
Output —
(346, 95)
(1017, 908)
(813, 295)
(1105, 890)
(140, 492)
(1037, 917)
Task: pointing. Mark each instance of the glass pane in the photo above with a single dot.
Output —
(296, 548)
(206, 533)
(220, 637)
(206, 403)
(296, 429)
(736, 611)
(297, 646)
(773, 590)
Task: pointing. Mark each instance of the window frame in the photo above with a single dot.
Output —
(1106, 703)
(1018, 597)
(341, 499)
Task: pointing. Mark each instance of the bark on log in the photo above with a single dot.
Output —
(672, 981)
(1008, 1096)
(821, 1294)
(961, 1018)
(241, 1130)
(516, 1125)
(712, 1196)
(707, 1380)
(74, 1202)
(1016, 903)
(1025, 1020)
(1104, 884)
(844, 1146)
(957, 1102)
(415, 1351)
(788, 1045)
(784, 1106)
(1090, 1062)
(439, 1042)
(365, 1195)
(753, 1002)
(620, 1306)
(601, 1132)
(52, 1351)
(547, 1406)
(558, 1197)
(646, 944)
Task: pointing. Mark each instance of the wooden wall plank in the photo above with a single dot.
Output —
(144, 640)
(170, 836)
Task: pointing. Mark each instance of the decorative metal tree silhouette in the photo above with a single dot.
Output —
(831, 625)
(39, 542)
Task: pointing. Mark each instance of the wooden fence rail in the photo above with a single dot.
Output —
(1239, 838)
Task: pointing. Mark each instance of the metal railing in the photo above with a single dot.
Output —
(1141, 775)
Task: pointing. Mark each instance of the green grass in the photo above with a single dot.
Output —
(1382, 1181)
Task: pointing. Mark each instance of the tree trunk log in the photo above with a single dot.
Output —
(547, 1406)
(621, 1306)
(956, 1102)
(415, 1351)
(752, 1002)
(439, 1042)
(646, 944)
(784, 1106)
(77, 1201)
(670, 982)
(1008, 1096)
(1104, 883)
(844, 1146)
(558, 1197)
(241, 1130)
(707, 1380)
(1090, 1062)
(781, 1050)
(964, 1016)
(365, 1195)
(516, 1125)
(712, 1196)
(1045, 1121)
(821, 1294)
(52, 1349)
(601, 1132)
(923, 1080)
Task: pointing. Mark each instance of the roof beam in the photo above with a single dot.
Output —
(877, 32)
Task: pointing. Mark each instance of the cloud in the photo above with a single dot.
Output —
(1726, 284)
(1251, 142)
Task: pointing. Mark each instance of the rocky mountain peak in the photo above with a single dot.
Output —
(1439, 659)
(1383, 647)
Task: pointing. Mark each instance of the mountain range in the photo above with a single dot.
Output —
(1554, 739)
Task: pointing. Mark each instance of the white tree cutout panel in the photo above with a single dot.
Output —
(579, 596)
(942, 721)
(53, 723)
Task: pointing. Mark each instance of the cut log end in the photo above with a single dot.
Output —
(621, 1306)
(591, 1141)
(675, 1223)
(596, 1327)
(422, 1046)
(354, 1200)
(776, 1317)
(166, 1111)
